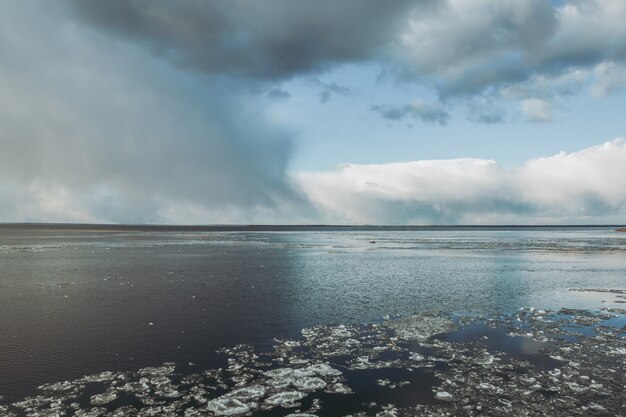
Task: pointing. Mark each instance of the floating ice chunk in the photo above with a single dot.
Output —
(285, 399)
(323, 369)
(101, 377)
(94, 412)
(279, 373)
(309, 383)
(421, 327)
(58, 386)
(387, 413)
(416, 357)
(4, 411)
(443, 396)
(253, 392)
(338, 388)
(228, 407)
(341, 331)
(104, 398)
(301, 415)
(166, 368)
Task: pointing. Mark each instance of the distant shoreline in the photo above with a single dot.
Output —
(108, 228)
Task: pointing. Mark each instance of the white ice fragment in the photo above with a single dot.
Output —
(252, 392)
(285, 399)
(443, 396)
(341, 332)
(279, 373)
(387, 413)
(57, 386)
(103, 398)
(421, 328)
(166, 368)
(227, 407)
(323, 369)
(309, 383)
(339, 388)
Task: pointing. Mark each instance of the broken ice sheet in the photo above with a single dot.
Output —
(419, 365)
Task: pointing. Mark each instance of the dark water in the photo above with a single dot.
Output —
(75, 301)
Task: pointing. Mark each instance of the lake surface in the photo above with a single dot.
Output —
(80, 300)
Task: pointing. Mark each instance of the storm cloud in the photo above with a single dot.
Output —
(103, 127)
(274, 39)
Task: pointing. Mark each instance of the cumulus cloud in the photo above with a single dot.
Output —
(472, 45)
(426, 112)
(517, 50)
(579, 187)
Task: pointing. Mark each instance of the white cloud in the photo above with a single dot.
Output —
(536, 110)
(608, 78)
(585, 186)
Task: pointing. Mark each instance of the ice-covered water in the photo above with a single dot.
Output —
(77, 301)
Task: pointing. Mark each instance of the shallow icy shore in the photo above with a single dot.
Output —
(534, 362)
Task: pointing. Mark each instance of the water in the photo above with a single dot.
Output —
(80, 300)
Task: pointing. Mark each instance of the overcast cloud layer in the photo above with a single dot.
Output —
(153, 111)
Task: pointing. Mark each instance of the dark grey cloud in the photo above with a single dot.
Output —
(391, 112)
(278, 94)
(426, 112)
(327, 90)
(273, 39)
(467, 48)
(461, 47)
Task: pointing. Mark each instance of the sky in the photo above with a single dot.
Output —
(307, 112)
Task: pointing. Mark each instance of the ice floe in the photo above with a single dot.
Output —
(533, 362)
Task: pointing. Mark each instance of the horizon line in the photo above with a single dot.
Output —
(284, 225)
